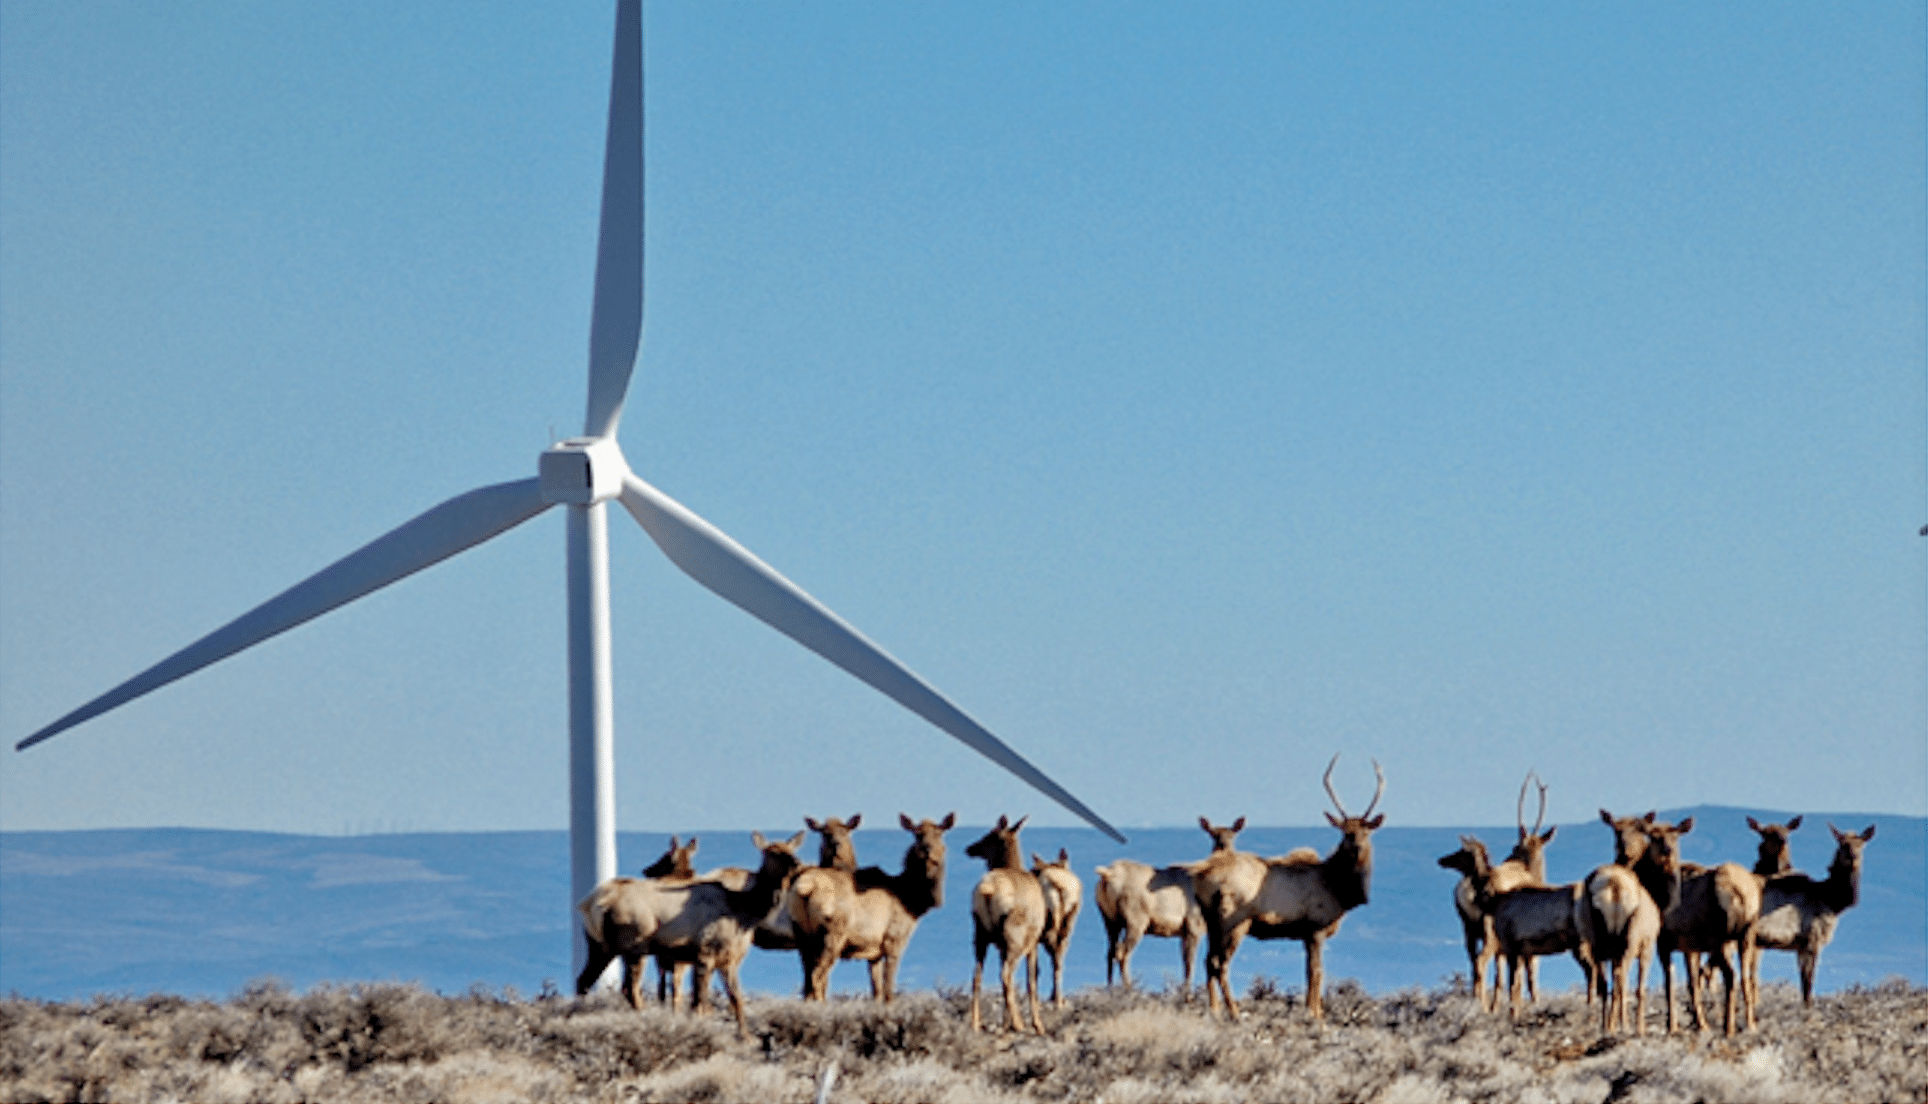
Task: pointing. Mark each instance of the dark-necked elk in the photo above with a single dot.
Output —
(1007, 912)
(702, 922)
(1522, 920)
(1702, 910)
(1525, 866)
(868, 915)
(1063, 897)
(1297, 896)
(675, 862)
(1799, 914)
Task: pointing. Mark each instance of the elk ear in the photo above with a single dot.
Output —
(904, 819)
(811, 823)
(1064, 856)
(1205, 824)
(757, 838)
(1685, 826)
(1649, 818)
(1793, 824)
(1606, 818)
(1238, 825)
(1754, 824)
(1020, 822)
(795, 842)
(1373, 824)
(691, 845)
(1546, 837)
(1868, 835)
(949, 819)
(1003, 822)
(1335, 822)
(854, 821)
(1038, 863)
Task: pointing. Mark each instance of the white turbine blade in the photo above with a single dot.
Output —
(460, 523)
(616, 322)
(726, 567)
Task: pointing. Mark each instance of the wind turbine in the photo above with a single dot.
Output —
(584, 474)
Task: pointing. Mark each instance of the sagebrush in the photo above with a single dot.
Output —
(401, 1043)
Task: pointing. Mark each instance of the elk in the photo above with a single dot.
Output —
(1799, 914)
(1136, 900)
(1617, 920)
(703, 922)
(869, 915)
(1525, 866)
(1008, 912)
(1297, 896)
(1063, 897)
(1521, 921)
(1701, 911)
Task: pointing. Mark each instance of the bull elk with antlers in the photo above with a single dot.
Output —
(1297, 896)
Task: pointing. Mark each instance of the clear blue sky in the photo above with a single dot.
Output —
(1190, 392)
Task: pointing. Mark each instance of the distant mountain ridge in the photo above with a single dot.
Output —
(204, 912)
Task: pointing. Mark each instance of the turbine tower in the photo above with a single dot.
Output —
(584, 474)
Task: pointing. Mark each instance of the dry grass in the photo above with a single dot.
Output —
(397, 1043)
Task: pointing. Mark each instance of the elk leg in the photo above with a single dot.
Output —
(890, 977)
(735, 992)
(700, 989)
(1533, 978)
(1037, 1022)
(1315, 977)
(1640, 1000)
(1188, 946)
(877, 978)
(979, 945)
(1007, 966)
(1808, 958)
(1127, 943)
(598, 961)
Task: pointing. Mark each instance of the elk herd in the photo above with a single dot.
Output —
(1647, 901)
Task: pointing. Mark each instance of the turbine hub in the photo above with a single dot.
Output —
(582, 470)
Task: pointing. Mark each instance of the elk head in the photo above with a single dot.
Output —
(1847, 851)
(1222, 838)
(837, 852)
(999, 847)
(924, 860)
(780, 861)
(1349, 867)
(1063, 861)
(675, 862)
(1629, 837)
(1773, 856)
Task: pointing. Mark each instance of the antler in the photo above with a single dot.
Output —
(1519, 813)
(1330, 792)
(1378, 791)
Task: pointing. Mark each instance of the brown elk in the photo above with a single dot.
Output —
(702, 922)
(1007, 912)
(1297, 896)
(1063, 897)
(1522, 921)
(1618, 921)
(1526, 865)
(1702, 910)
(870, 915)
(1136, 900)
(1799, 914)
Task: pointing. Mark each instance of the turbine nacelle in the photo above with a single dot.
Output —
(581, 471)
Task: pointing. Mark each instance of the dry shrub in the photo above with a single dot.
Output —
(400, 1043)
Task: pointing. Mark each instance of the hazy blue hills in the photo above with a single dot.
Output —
(205, 912)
